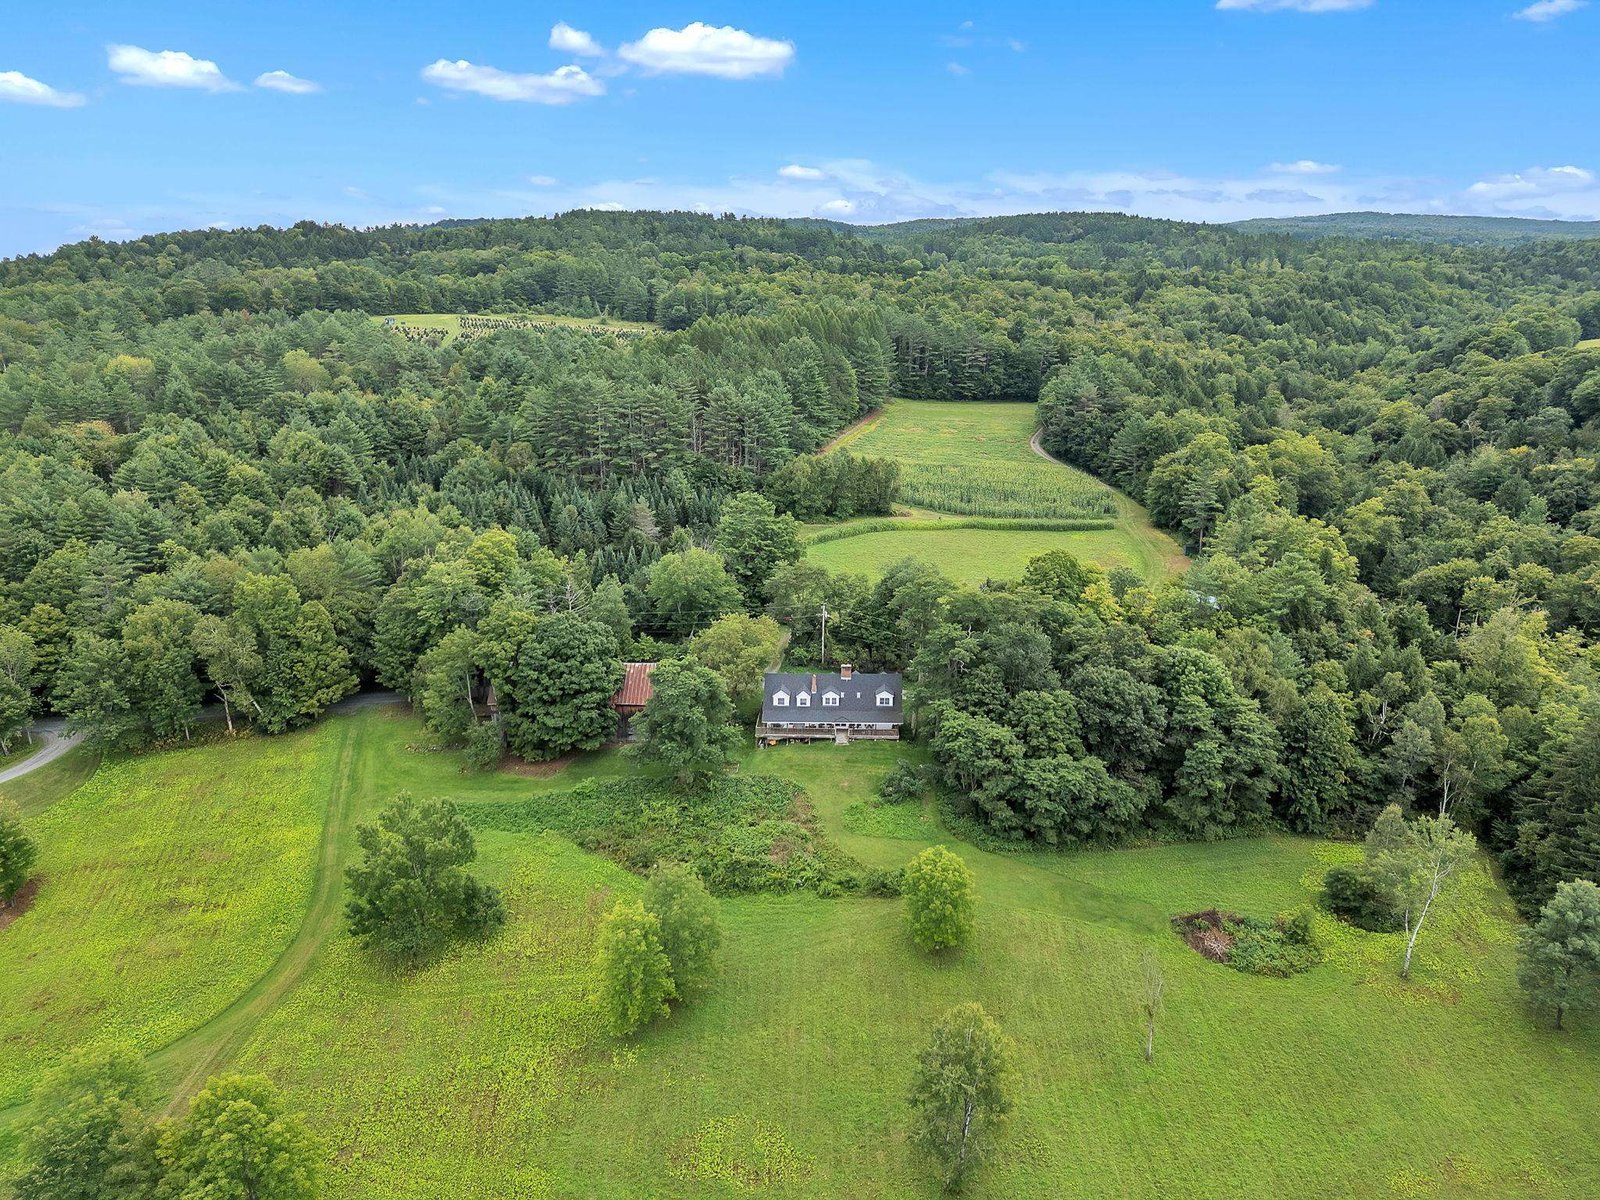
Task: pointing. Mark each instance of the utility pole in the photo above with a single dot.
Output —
(824, 634)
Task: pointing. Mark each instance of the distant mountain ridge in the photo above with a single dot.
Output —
(1418, 227)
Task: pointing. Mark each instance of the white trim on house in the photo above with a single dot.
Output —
(781, 699)
(803, 699)
(885, 698)
(830, 699)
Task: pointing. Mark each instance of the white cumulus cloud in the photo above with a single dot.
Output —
(166, 68)
(1548, 10)
(561, 86)
(282, 81)
(1304, 166)
(20, 89)
(565, 38)
(701, 49)
(796, 171)
(1305, 6)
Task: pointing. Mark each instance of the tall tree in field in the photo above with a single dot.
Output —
(690, 934)
(443, 688)
(755, 540)
(939, 900)
(962, 1091)
(1560, 969)
(561, 685)
(158, 640)
(635, 973)
(684, 725)
(237, 1141)
(18, 853)
(1414, 862)
(94, 1139)
(411, 896)
(91, 691)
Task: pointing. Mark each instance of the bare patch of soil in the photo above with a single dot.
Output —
(1204, 933)
(21, 902)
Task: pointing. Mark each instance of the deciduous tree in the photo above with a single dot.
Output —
(690, 933)
(939, 899)
(962, 1091)
(412, 896)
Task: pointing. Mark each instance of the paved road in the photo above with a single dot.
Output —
(54, 740)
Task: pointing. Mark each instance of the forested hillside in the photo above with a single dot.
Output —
(219, 477)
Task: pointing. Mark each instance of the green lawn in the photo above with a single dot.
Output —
(487, 1075)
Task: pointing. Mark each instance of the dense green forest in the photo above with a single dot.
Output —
(1475, 231)
(220, 478)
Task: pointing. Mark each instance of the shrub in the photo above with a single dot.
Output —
(17, 856)
(486, 745)
(938, 890)
(905, 782)
(690, 933)
(635, 973)
(739, 833)
(1352, 895)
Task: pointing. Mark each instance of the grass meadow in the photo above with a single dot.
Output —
(487, 1075)
(976, 461)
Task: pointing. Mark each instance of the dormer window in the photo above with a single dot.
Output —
(803, 699)
(885, 699)
(780, 699)
(830, 699)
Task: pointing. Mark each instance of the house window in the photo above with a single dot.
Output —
(830, 699)
(803, 699)
(885, 699)
(780, 699)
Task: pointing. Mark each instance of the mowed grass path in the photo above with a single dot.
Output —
(947, 447)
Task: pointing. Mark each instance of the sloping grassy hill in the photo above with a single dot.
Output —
(979, 461)
(487, 1075)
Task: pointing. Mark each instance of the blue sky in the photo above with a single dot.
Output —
(123, 118)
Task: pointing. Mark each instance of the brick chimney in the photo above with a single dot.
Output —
(845, 670)
(813, 681)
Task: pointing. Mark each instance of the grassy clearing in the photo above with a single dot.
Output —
(450, 323)
(974, 460)
(487, 1075)
(944, 449)
(974, 555)
(171, 883)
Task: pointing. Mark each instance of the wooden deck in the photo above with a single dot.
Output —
(823, 733)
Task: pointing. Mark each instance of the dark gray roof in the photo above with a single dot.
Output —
(858, 697)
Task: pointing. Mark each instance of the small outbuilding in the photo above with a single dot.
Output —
(628, 701)
(841, 706)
